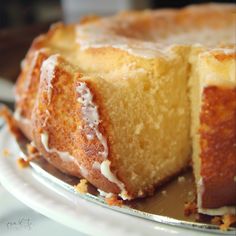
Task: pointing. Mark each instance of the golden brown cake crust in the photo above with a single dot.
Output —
(26, 90)
(218, 146)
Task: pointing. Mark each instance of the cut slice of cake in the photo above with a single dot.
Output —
(92, 126)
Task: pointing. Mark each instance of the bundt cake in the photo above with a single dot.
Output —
(126, 101)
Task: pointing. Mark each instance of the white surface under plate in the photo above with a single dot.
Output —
(18, 219)
(67, 208)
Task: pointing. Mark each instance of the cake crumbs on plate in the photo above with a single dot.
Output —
(8, 117)
(113, 201)
(32, 152)
(224, 221)
(227, 221)
(6, 152)
(190, 208)
(31, 149)
(22, 163)
(216, 220)
(181, 179)
(82, 186)
(163, 192)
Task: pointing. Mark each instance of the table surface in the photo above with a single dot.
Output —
(15, 217)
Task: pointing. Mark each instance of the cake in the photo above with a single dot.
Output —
(129, 101)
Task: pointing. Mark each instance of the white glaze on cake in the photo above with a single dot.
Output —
(90, 116)
(65, 156)
(89, 109)
(91, 119)
(106, 171)
(162, 48)
(112, 32)
(218, 211)
(104, 194)
(48, 73)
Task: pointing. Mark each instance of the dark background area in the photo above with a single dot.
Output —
(17, 13)
(22, 20)
(180, 3)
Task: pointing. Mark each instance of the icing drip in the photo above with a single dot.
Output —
(48, 73)
(89, 109)
(100, 35)
(106, 171)
(20, 118)
(91, 117)
(103, 141)
(65, 156)
(218, 211)
(105, 194)
(90, 136)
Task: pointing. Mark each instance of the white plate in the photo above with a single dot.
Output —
(18, 219)
(69, 209)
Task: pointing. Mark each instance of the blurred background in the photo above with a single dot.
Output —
(22, 20)
(16, 13)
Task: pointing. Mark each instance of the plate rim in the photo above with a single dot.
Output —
(17, 184)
